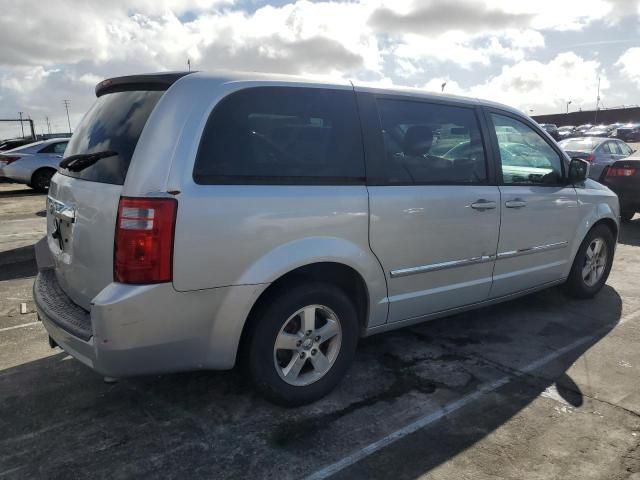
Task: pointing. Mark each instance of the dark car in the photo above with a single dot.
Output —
(551, 129)
(566, 131)
(583, 128)
(629, 132)
(14, 143)
(599, 131)
(623, 177)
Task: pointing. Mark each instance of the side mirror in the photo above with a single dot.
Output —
(578, 170)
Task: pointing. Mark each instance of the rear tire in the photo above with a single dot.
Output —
(309, 365)
(592, 264)
(41, 179)
(627, 215)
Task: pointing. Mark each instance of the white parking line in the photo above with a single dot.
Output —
(19, 326)
(449, 408)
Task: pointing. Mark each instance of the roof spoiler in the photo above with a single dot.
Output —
(144, 82)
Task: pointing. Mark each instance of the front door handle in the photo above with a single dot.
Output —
(515, 203)
(483, 205)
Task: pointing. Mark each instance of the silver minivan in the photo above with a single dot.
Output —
(199, 221)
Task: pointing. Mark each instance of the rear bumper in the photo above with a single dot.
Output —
(147, 329)
(628, 191)
(12, 174)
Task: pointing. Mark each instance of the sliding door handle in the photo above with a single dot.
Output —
(515, 203)
(483, 204)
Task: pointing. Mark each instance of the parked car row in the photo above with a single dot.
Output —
(12, 143)
(629, 132)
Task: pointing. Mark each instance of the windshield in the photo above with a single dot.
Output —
(114, 123)
(577, 145)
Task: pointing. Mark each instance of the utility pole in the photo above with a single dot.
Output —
(66, 106)
(595, 120)
(48, 125)
(21, 124)
(569, 103)
(189, 64)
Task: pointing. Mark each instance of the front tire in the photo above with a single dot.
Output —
(302, 343)
(592, 264)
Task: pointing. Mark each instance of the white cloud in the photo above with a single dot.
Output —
(629, 65)
(483, 47)
(545, 87)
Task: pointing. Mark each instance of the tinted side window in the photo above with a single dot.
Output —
(58, 148)
(615, 148)
(48, 148)
(427, 143)
(525, 157)
(278, 135)
(609, 148)
(624, 148)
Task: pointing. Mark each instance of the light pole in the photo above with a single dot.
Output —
(442, 86)
(66, 106)
(595, 120)
(21, 124)
(569, 103)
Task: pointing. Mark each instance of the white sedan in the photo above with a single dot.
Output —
(33, 164)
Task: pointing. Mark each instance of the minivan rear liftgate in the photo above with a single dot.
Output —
(85, 198)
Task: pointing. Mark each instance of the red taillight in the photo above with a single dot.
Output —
(144, 240)
(621, 172)
(8, 159)
(590, 158)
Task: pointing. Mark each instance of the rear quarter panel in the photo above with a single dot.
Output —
(254, 234)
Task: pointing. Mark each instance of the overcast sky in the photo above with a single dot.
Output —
(532, 54)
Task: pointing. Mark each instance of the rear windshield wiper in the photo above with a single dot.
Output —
(76, 163)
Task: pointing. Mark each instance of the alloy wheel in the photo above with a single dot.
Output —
(595, 262)
(307, 345)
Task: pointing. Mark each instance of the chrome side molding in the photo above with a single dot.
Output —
(434, 267)
(530, 250)
(403, 272)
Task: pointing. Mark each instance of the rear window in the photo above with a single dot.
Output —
(114, 122)
(577, 145)
(282, 135)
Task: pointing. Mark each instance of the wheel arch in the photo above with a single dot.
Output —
(594, 211)
(347, 278)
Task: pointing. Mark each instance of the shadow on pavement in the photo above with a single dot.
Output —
(23, 269)
(630, 233)
(19, 192)
(60, 420)
(16, 255)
